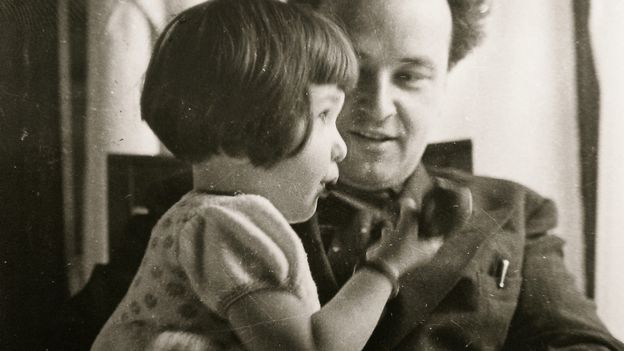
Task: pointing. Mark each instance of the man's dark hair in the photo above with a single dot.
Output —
(467, 32)
(232, 77)
(468, 29)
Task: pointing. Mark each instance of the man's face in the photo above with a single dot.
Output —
(403, 48)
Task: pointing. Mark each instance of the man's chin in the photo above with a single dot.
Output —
(373, 181)
(371, 174)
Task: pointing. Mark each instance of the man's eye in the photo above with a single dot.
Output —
(411, 79)
(406, 76)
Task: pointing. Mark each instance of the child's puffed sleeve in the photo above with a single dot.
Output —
(241, 245)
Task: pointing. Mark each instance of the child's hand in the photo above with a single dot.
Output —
(403, 248)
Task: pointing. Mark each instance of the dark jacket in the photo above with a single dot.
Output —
(458, 301)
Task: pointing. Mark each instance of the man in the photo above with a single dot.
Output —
(498, 281)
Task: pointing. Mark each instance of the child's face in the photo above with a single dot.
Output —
(295, 184)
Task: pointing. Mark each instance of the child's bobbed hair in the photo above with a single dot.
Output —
(232, 76)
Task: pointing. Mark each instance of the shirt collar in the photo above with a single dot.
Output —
(384, 201)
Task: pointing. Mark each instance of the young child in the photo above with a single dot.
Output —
(248, 91)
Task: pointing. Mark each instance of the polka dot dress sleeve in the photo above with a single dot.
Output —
(234, 248)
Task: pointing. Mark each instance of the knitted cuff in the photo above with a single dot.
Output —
(379, 265)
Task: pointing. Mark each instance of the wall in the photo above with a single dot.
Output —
(121, 33)
(607, 25)
(515, 98)
(113, 122)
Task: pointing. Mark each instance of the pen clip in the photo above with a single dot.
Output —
(503, 268)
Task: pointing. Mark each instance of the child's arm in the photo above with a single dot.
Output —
(272, 320)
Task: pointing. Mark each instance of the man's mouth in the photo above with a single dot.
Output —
(373, 135)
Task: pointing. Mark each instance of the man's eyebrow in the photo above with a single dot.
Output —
(419, 61)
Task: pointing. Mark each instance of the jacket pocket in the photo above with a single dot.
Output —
(506, 289)
(499, 304)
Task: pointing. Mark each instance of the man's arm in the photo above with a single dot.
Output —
(552, 313)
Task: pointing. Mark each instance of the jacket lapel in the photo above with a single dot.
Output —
(424, 288)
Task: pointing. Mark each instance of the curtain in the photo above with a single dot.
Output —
(32, 275)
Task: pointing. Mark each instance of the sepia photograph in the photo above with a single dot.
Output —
(253, 175)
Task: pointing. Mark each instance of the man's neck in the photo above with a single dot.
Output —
(415, 186)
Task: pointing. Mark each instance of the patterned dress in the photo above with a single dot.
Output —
(206, 253)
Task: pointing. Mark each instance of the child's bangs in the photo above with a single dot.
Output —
(332, 58)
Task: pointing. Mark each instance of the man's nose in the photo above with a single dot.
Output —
(375, 97)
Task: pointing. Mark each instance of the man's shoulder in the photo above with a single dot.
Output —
(489, 188)
(478, 181)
